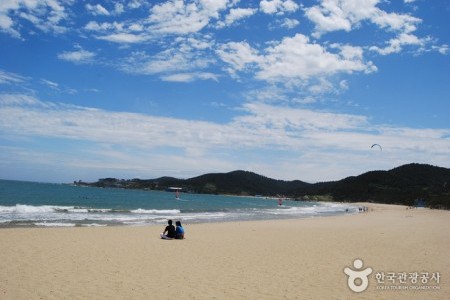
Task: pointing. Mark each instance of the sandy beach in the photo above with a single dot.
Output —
(283, 259)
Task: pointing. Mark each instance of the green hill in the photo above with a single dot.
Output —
(401, 185)
(242, 183)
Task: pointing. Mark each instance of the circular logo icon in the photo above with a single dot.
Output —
(360, 274)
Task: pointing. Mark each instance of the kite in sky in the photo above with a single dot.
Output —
(377, 145)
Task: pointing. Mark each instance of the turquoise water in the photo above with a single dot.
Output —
(44, 204)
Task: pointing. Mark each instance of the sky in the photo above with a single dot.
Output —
(287, 89)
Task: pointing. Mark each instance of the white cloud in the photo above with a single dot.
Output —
(443, 49)
(51, 84)
(189, 77)
(19, 100)
(317, 138)
(77, 56)
(105, 26)
(46, 15)
(265, 117)
(397, 22)
(176, 17)
(124, 38)
(120, 32)
(332, 15)
(202, 43)
(321, 87)
(238, 55)
(185, 59)
(100, 10)
(278, 6)
(295, 58)
(97, 10)
(7, 25)
(10, 78)
(235, 15)
(289, 23)
(119, 8)
(396, 45)
(136, 27)
(343, 85)
(268, 94)
(134, 4)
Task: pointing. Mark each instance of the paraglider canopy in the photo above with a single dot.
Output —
(377, 145)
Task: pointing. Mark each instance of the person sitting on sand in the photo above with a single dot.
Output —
(170, 229)
(179, 231)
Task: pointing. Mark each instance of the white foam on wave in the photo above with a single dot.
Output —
(49, 224)
(136, 223)
(336, 207)
(30, 209)
(204, 216)
(155, 211)
(309, 210)
(71, 209)
(69, 216)
(94, 225)
(319, 209)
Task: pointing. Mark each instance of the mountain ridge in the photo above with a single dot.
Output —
(401, 185)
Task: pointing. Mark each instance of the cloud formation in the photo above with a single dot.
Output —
(265, 62)
(10, 78)
(45, 15)
(97, 9)
(278, 6)
(295, 58)
(235, 15)
(333, 15)
(178, 17)
(78, 56)
(140, 137)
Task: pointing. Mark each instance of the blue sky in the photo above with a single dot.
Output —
(287, 89)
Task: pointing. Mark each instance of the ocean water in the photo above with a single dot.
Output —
(58, 205)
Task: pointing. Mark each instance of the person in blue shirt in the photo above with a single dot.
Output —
(179, 231)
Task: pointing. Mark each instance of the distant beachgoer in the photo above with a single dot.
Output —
(280, 201)
(179, 231)
(170, 229)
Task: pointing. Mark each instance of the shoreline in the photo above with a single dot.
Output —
(268, 259)
(107, 217)
(200, 222)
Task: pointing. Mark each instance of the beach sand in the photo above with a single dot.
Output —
(282, 259)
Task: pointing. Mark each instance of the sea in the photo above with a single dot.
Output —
(31, 204)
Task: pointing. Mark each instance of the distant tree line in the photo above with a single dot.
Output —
(402, 185)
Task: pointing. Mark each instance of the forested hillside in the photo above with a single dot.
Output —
(403, 185)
